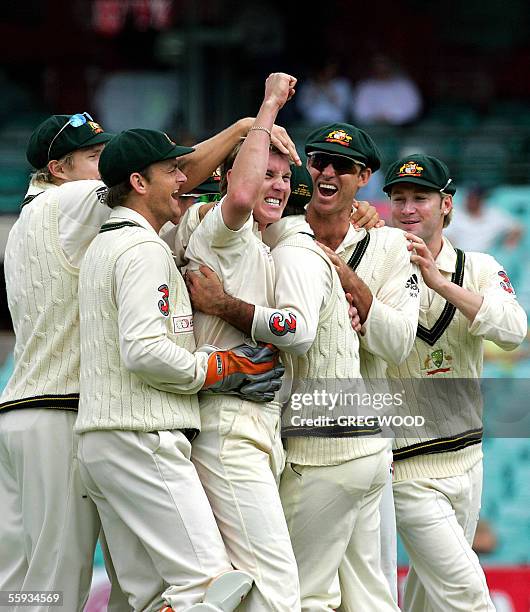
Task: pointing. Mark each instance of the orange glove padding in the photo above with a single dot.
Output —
(229, 370)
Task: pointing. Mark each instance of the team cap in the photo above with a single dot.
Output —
(211, 186)
(59, 135)
(420, 169)
(132, 151)
(301, 187)
(347, 140)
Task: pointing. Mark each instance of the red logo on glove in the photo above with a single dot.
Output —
(505, 283)
(280, 326)
(163, 304)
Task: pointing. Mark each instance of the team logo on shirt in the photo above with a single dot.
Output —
(280, 325)
(437, 362)
(412, 286)
(163, 304)
(410, 168)
(340, 137)
(505, 282)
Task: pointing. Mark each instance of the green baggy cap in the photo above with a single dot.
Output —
(133, 150)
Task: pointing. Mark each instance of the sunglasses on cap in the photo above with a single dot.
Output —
(341, 163)
(75, 121)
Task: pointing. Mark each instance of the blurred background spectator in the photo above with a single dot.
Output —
(387, 96)
(485, 541)
(324, 97)
(476, 226)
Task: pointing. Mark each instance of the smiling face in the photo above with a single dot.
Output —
(419, 210)
(334, 187)
(275, 190)
(163, 182)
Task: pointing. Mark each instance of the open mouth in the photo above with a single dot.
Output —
(409, 222)
(175, 194)
(327, 190)
(274, 202)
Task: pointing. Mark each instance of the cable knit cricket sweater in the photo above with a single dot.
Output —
(334, 355)
(42, 295)
(113, 397)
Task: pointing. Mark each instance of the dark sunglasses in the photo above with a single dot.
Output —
(342, 164)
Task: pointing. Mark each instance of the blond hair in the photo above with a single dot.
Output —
(44, 176)
(229, 162)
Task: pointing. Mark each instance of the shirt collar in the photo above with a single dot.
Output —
(353, 236)
(446, 259)
(39, 187)
(122, 212)
(285, 227)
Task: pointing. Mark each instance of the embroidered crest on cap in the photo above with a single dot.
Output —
(302, 190)
(340, 137)
(173, 143)
(410, 168)
(95, 127)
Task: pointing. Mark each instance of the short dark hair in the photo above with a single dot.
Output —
(117, 195)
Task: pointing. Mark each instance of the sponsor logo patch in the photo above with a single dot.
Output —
(279, 325)
(182, 324)
(219, 364)
(412, 286)
(163, 304)
(101, 194)
(505, 282)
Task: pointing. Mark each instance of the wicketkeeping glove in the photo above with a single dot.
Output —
(262, 387)
(250, 371)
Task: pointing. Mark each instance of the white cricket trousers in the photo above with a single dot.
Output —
(436, 519)
(239, 457)
(49, 525)
(389, 535)
(333, 517)
(160, 530)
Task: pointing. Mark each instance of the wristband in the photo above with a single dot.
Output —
(263, 129)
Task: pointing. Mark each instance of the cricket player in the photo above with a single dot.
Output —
(239, 454)
(45, 502)
(302, 287)
(375, 271)
(138, 409)
(50, 527)
(465, 298)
